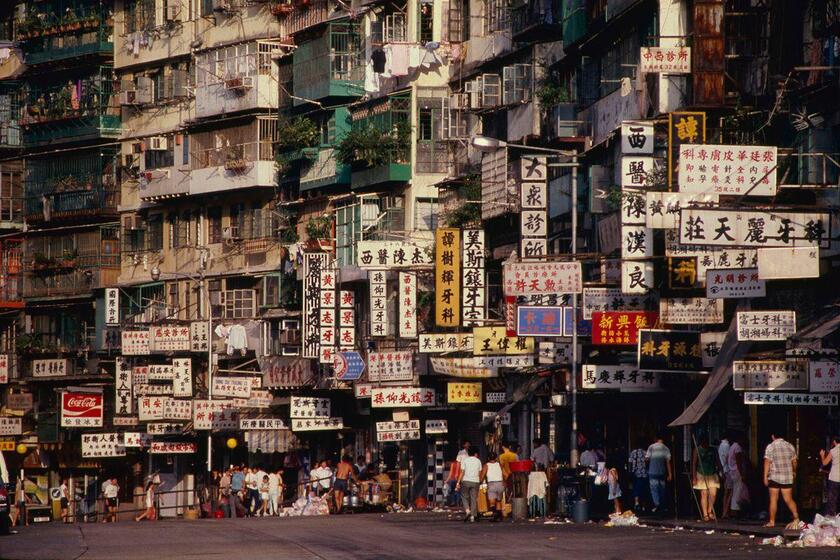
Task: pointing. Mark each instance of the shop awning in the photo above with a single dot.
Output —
(719, 378)
(821, 327)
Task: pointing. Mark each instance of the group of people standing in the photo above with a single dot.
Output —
(241, 491)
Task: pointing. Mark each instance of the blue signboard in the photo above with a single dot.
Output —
(539, 321)
(584, 327)
(349, 366)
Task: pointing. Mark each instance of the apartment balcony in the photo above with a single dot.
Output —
(59, 30)
(245, 160)
(329, 65)
(11, 195)
(322, 170)
(10, 115)
(162, 183)
(381, 140)
(563, 124)
(298, 15)
(537, 20)
(236, 78)
(69, 108)
(802, 170)
(11, 273)
(71, 264)
(76, 187)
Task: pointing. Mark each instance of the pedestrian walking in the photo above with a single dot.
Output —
(660, 472)
(252, 492)
(779, 473)
(704, 468)
(465, 451)
(468, 482)
(150, 513)
(723, 453)
(637, 466)
(493, 474)
(264, 486)
(614, 490)
(832, 457)
(63, 493)
(111, 492)
(19, 516)
(453, 497)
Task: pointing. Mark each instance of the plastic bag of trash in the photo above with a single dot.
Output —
(625, 519)
(824, 531)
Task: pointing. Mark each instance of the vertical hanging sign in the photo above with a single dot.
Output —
(313, 264)
(474, 283)
(122, 385)
(112, 306)
(326, 316)
(447, 277)
(408, 304)
(533, 201)
(346, 320)
(378, 303)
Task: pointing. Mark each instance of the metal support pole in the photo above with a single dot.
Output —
(573, 449)
(205, 288)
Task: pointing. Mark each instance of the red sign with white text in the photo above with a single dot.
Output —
(619, 328)
(81, 410)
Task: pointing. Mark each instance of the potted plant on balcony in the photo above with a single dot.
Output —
(235, 159)
(319, 231)
(68, 258)
(40, 261)
(370, 147)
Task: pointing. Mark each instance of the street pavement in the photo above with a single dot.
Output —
(426, 536)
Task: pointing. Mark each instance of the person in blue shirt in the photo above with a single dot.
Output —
(237, 483)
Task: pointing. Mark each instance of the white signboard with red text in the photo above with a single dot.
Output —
(81, 410)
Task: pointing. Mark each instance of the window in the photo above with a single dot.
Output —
(425, 214)
(348, 230)
(185, 149)
(498, 15)
(140, 14)
(214, 225)
(158, 159)
(154, 233)
(172, 303)
(173, 227)
(459, 20)
(182, 229)
(432, 152)
(236, 211)
(516, 83)
(426, 22)
(239, 304)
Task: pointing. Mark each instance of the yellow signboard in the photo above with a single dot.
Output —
(7, 445)
(463, 392)
(684, 127)
(448, 277)
(489, 341)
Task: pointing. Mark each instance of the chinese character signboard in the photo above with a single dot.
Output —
(539, 321)
(391, 365)
(102, 445)
(734, 228)
(169, 338)
(445, 342)
(734, 283)
(135, 343)
(407, 295)
(463, 393)
(729, 170)
(710, 345)
(615, 328)
(611, 299)
(286, 371)
(636, 277)
(112, 306)
(526, 279)
(663, 208)
(622, 378)
(661, 350)
(81, 410)
(636, 242)
(10, 426)
(399, 397)
(637, 138)
(182, 377)
(4, 368)
(635, 171)
(169, 447)
(463, 367)
(213, 415)
(447, 277)
(123, 380)
(231, 387)
(770, 375)
(683, 128)
(824, 377)
(391, 254)
(766, 325)
(794, 399)
(665, 60)
(783, 263)
(436, 426)
(262, 424)
(309, 407)
(472, 277)
(313, 264)
(494, 340)
(199, 336)
(378, 281)
(690, 311)
(346, 320)
(682, 273)
(313, 424)
(327, 316)
(54, 367)
(533, 202)
(398, 431)
(709, 256)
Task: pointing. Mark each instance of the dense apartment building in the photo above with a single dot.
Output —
(172, 170)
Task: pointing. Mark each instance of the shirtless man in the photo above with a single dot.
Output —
(343, 474)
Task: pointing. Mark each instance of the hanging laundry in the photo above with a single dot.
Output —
(222, 331)
(237, 340)
(378, 60)
(135, 44)
(371, 86)
(414, 56)
(399, 59)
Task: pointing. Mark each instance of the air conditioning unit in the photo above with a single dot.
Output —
(240, 83)
(128, 97)
(459, 101)
(158, 143)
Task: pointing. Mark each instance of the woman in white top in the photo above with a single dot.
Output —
(832, 457)
(150, 513)
(492, 473)
(62, 494)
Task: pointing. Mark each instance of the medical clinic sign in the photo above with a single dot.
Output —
(81, 410)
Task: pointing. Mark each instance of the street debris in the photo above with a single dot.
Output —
(625, 519)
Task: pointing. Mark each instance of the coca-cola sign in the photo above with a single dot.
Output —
(81, 410)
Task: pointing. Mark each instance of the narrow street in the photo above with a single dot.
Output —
(430, 536)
